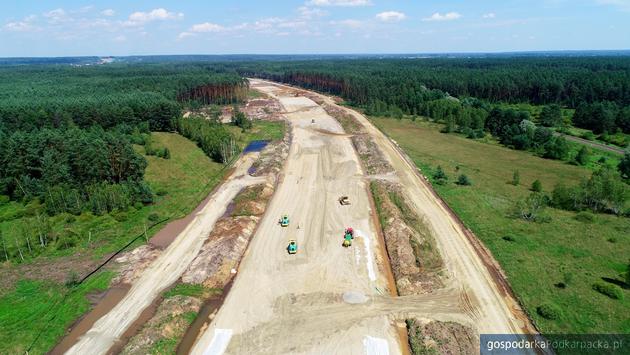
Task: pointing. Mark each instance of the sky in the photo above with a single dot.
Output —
(31, 28)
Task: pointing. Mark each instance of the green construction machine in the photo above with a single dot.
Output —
(348, 236)
(284, 221)
(292, 247)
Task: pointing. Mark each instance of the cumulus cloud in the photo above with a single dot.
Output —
(206, 27)
(339, 2)
(56, 16)
(25, 25)
(489, 15)
(310, 12)
(449, 16)
(351, 23)
(622, 4)
(108, 12)
(391, 16)
(139, 18)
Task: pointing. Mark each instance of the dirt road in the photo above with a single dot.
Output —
(325, 299)
(593, 144)
(169, 266)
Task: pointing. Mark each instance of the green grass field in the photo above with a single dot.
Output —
(180, 184)
(541, 256)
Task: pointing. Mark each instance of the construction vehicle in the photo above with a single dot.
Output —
(348, 236)
(284, 220)
(292, 247)
(343, 200)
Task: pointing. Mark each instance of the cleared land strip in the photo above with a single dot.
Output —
(169, 266)
(470, 264)
(326, 299)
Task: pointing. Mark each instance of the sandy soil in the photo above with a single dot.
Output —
(168, 267)
(281, 303)
(472, 267)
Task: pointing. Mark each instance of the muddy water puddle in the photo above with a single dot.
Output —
(165, 236)
(108, 300)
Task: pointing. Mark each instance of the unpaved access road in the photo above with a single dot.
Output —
(281, 303)
(328, 299)
(167, 268)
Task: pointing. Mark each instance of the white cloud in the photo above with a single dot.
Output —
(56, 16)
(391, 16)
(446, 17)
(348, 23)
(139, 18)
(339, 2)
(206, 27)
(622, 4)
(25, 25)
(120, 38)
(489, 15)
(310, 12)
(108, 12)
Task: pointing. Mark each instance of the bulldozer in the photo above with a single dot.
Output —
(343, 200)
(292, 247)
(284, 221)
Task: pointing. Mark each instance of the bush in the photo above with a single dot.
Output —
(585, 217)
(161, 192)
(549, 311)
(72, 279)
(516, 178)
(4, 199)
(120, 216)
(509, 238)
(463, 180)
(440, 176)
(154, 217)
(537, 186)
(610, 290)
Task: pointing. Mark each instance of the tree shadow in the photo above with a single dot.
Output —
(619, 283)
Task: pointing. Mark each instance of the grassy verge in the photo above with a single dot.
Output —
(36, 306)
(261, 130)
(546, 263)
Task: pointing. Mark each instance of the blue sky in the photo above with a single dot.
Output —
(75, 27)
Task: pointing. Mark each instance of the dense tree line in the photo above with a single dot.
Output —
(66, 132)
(72, 170)
(419, 86)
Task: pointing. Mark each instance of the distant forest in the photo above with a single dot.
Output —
(66, 130)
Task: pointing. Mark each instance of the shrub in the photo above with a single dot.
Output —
(509, 238)
(585, 217)
(138, 205)
(154, 217)
(161, 192)
(516, 178)
(463, 180)
(537, 186)
(440, 176)
(120, 216)
(4, 199)
(72, 279)
(610, 290)
(549, 311)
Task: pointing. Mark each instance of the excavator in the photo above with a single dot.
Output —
(343, 200)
